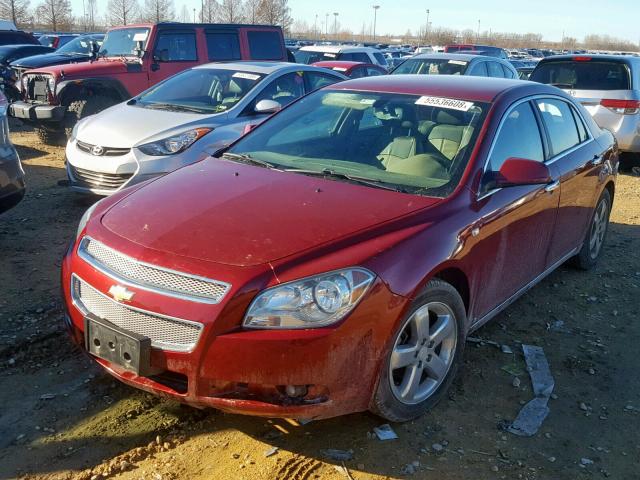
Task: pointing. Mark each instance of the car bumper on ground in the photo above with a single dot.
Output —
(30, 111)
(333, 370)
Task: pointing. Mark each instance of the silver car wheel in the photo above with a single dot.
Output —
(423, 353)
(598, 228)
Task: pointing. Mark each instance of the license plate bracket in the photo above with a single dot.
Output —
(126, 349)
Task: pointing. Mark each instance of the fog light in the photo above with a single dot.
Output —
(296, 390)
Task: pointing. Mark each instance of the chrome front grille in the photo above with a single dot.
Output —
(96, 180)
(106, 151)
(151, 277)
(166, 333)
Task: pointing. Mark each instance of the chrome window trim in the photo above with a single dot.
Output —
(547, 161)
(165, 345)
(84, 255)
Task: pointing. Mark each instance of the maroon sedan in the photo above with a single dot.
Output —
(334, 259)
(353, 69)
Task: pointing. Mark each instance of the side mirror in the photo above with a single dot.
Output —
(95, 48)
(267, 106)
(139, 48)
(520, 171)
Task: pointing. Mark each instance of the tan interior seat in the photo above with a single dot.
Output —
(450, 134)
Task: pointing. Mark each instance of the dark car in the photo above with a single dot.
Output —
(55, 40)
(485, 49)
(335, 258)
(11, 173)
(77, 50)
(474, 65)
(16, 37)
(9, 53)
(353, 69)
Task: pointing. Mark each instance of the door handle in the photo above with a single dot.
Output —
(597, 159)
(550, 187)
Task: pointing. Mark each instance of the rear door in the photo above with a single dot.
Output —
(578, 159)
(174, 50)
(223, 44)
(263, 44)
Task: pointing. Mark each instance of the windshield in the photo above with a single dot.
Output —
(79, 45)
(201, 90)
(414, 144)
(430, 66)
(123, 41)
(583, 75)
(308, 57)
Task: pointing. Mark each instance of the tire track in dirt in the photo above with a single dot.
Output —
(297, 468)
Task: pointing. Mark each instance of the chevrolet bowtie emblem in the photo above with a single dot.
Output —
(120, 293)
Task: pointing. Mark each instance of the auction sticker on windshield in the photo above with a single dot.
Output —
(450, 103)
(246, 76)
(457, 62)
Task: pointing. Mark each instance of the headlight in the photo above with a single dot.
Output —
(85, 218)
(51, 83)
(24, 81)
(309, 302)
(174, 144)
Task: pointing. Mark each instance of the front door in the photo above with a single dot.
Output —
(173, 52)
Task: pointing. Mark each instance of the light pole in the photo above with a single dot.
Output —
(335, 24)
(326, 26)
(375, 16)
(194, 15)
(427, 32)
(478, 37)
(315, 27)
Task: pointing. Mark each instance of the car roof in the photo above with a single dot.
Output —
(336, 48)
(465, 57)
(339, 63)
(264, 68)
(619, 58)
(480, 89)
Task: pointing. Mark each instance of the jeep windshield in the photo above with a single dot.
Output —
(123, 42)
(382, 140)
(200, 90)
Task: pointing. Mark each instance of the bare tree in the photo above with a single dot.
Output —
(16, 10)
(122, 12)
(55, 14)
(231, 11)
(275, 12)
(185, 15)
(252, 11)
(92, 13)
(156, 11)
(209, 11)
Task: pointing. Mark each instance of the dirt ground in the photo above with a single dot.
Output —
(63, 418)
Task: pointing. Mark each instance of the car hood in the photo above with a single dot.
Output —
(49, 59)
(105, 66)
(125, 126)
(230, 213)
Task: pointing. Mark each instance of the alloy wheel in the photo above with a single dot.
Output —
(423, 353)
(598, 228)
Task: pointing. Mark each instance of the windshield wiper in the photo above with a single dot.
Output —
(371, 182)
(241, 157)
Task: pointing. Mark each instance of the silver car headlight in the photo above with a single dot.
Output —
(85, 218)
(309, 302)
(174, 144)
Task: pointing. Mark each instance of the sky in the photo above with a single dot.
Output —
(576, 18)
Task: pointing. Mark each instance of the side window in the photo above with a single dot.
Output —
(347, 57)
(380, 58)
(265, 45)
(519, 137)
(358, 72)
(319, 80)
(561, 125)
(479, 69)
(361, 57)
(495, 69)
(582, 130)
(176, 47)
(373, 72)
(284, 89)
(223, 46)
(507, 72)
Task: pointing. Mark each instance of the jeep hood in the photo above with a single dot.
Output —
(97, 68)
(236, 214)
(125, 126)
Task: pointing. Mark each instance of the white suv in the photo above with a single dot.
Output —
(320, 53)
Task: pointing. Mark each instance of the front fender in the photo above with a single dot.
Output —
(66, 88)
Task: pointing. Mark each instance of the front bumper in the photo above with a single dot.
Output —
(35, 112)
(105, 175)
(247, 371)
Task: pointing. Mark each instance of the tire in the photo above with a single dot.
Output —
(49, 136)
(438, 300)
(79, 109)
(591, 248)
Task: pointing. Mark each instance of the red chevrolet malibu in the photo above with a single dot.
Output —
(334, 259)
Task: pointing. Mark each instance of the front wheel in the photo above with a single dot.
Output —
(82, 108)
(425, 354)
(592, 245)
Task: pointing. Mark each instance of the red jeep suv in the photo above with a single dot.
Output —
(131, 59)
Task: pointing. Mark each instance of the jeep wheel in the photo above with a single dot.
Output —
(80, 109)
(49, 136)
